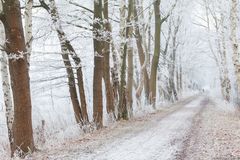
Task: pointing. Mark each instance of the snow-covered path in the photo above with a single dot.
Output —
(161, 140)
(159, 136)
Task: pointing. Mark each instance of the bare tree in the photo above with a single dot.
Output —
(7, 96)
(19, 73)
(123, 110)
(172, 61)
(80, 111)
(107, 49)
(142, 52)
(235, 47)
(156, 55)
(220, 56)
(98, 65)
(130, 64)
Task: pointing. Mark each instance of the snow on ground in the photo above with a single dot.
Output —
(157, 136)
(215, 134)
(197, 128)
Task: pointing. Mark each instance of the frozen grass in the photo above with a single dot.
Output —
(60, 126)
(68, 141)
(154, 132)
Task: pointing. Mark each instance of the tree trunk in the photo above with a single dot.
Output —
(28, 27)
(167, 92)
(150, 13)
(18, 66)
(7, 94)
(115, 75)
(98, 65)
(226, 85)
(155, 58)
(67, 49)
(235, 58)
(122, 25)
(114, 72)
(142, 56)
(180, 73)
(123, 110)
(172, 65)
(107, 45)
(130, 68)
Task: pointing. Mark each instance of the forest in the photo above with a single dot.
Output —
(113, 79)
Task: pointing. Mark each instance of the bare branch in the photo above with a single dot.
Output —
(78, 5)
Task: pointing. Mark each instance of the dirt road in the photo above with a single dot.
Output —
(176, 132)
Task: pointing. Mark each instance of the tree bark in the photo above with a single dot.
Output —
(18, 66)
(180, 73)
(156, 55)
(172, 65)
(225, 83)
(7, 94)
(142, 56)
(107, 47)
(235, 47)
(123, 110)
(167, 92)
(98, 65)
(130, 65)
(115, 75)
(28, 27)
(66, 49)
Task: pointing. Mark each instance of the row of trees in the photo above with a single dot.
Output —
(146, 65)
(222, 33)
